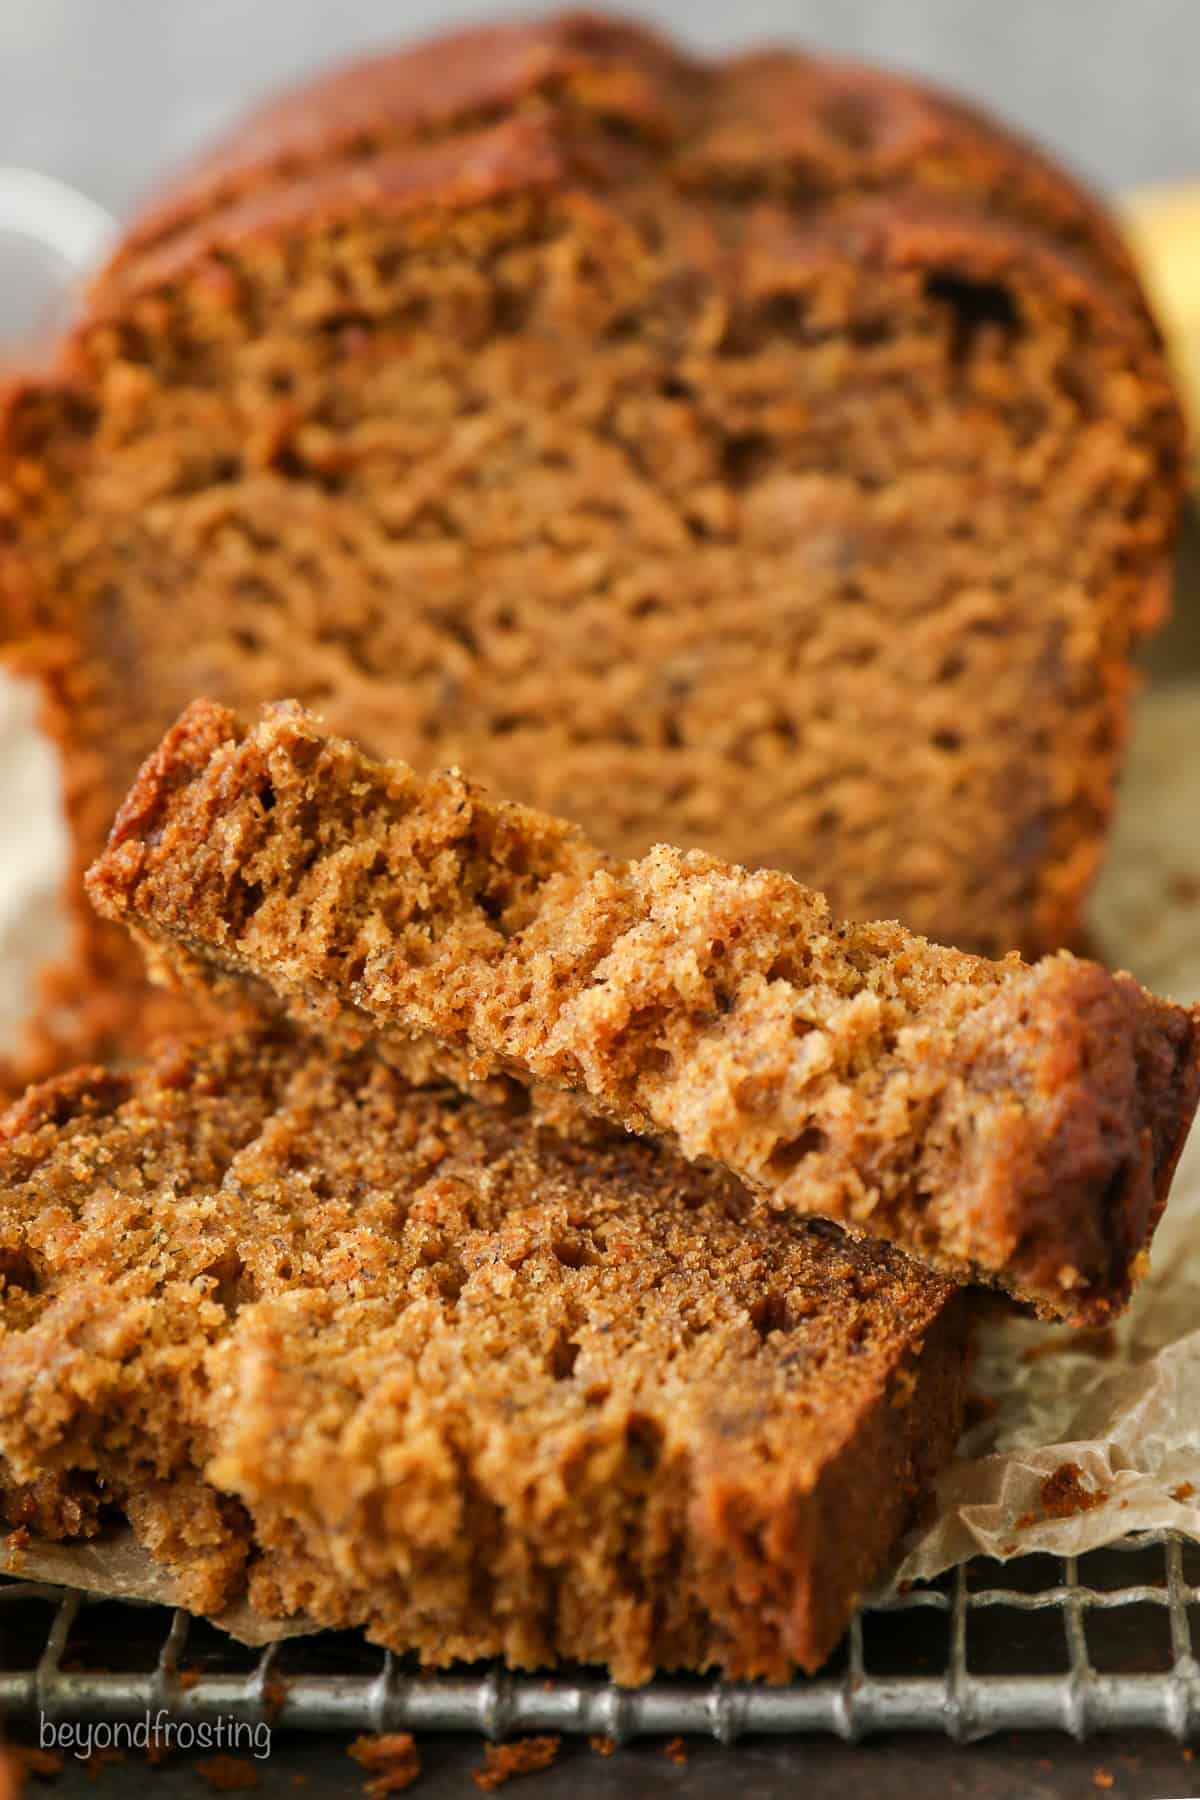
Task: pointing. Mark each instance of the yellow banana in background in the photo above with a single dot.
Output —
(1163, 226)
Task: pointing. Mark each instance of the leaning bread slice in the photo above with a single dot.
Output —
(1007, 1123)
(389, 1356)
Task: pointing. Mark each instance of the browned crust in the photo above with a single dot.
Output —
(1041, 1156)
(459, 79)
(780, 1559)
(843, 124)
(517, 156)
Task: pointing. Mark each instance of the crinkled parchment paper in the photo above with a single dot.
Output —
(1123, 1405)
(116, 1566)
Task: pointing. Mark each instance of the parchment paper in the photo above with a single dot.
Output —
(115, 1565)
(1122, 1405)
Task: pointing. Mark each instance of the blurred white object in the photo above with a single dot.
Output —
(33, 853)
(50, 237)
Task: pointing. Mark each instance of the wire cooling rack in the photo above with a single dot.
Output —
(1080, 1645)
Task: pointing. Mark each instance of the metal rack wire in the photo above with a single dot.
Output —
(851, 1700)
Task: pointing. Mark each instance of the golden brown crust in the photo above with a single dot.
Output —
(1006, 1123)
(842, 126)
(456, 81)
(401, 1360)
(520, 156)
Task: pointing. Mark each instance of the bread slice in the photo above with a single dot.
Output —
(771, 456)
(390, 1357)
(1004, 1123)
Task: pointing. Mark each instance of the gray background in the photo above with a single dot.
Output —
(109, 94)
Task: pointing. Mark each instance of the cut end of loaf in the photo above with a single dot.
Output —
(666, 442)
(399, 1360)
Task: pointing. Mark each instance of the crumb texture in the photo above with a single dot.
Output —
(522, 1756)
(769, 455)
(392, 1357)
(1002, 1122)
(391, 1759)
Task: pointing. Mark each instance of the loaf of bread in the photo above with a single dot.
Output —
(1004, 1123)
(770, 456)
(389, 1357)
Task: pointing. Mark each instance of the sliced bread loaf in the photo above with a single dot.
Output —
(770, 456)
(1006, 1123)
(388, 1357)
